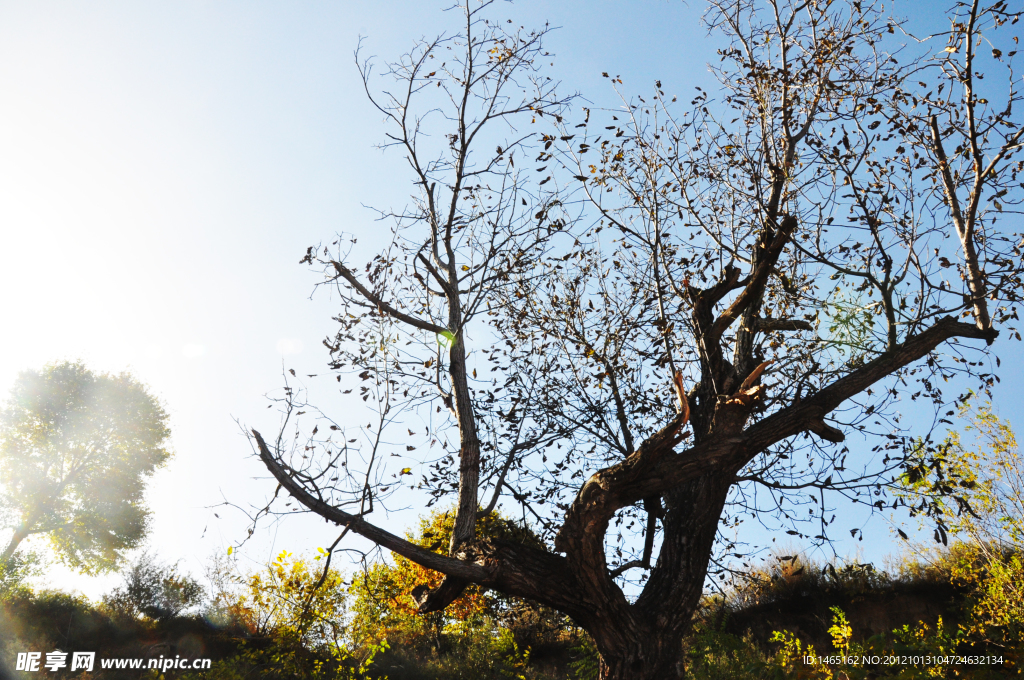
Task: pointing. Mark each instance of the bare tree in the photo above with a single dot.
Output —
(784, 250)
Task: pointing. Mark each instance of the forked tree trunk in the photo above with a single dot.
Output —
(648, 646)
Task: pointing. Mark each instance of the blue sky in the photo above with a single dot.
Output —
(163, 167)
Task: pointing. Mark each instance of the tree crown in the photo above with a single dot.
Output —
(75, 450)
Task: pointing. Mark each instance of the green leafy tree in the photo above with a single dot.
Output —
(294, 598)
(75, 450)
(294, 611)
(971, 486)
(974, 480)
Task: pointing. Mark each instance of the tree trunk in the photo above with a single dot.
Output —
(647, 645)
(20, 534)
(648, 657)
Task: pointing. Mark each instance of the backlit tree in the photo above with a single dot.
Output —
(674, 323)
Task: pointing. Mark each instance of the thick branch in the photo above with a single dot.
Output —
(771, 325)
(656, 468)
(752, 292)
(439, 598)
(421, 556)
(826, 431)
(809, 412)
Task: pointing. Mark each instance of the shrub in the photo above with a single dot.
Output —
(153, 590)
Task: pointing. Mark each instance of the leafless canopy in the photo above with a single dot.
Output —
(640, 323)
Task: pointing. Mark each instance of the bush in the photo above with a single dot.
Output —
(153, 590)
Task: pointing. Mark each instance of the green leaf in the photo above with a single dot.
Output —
(446, 339)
